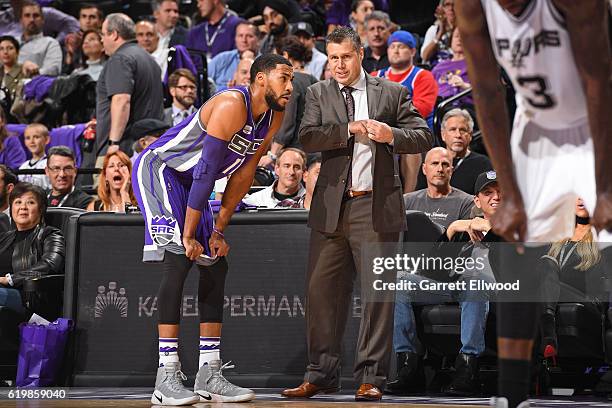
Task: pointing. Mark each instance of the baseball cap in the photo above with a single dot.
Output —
(402, 36)
(485, 179)
(302, 26)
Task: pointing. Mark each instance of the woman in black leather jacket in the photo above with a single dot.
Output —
(32, 249)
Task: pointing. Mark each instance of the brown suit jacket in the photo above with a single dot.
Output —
(324, 129)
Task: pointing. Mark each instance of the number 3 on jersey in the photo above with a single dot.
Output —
(537, 86)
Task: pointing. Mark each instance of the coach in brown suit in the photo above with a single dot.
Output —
(358, 122)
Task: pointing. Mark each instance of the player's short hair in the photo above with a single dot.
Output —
(458, 112)
(378, 15)
(266, 63)
(176, 76)
(295, 150)
(341, 34)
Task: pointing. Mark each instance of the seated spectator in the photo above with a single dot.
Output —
(296, 52)
(378, 26)
(93, 52)
(316, 63)
(11, 152)
(436, 44)
(61, 171)
(57, 24)
(326, 73)
(90, 19)
(420, 83)
(8, 181)
(216, 34)
(115, 185)
(31, 250)
(338, 12)
(276, 14)
(223, 65)
(242, 76)
(287, 189)
(474, 305)
(578, 266)
(457, 128)
(311, 174)
(11, 73)
(442, 203)
(360, 9)
(451, 74)
(39, 55)
(36, 138)
(144, 132)
(182, 88)
(148, 39)
(166, 14)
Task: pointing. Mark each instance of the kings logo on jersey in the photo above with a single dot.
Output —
(162, 229)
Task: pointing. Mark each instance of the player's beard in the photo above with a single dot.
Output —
(272, 101)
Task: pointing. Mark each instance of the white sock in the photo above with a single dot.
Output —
(168, 350)
(210, 349)
(36, 319)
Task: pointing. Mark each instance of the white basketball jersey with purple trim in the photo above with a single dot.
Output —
(535, 51)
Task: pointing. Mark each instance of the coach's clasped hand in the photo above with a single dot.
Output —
(378, 131)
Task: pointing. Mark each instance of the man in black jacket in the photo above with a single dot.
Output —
(462, 240)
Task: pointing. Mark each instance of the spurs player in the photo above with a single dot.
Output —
(557, 55)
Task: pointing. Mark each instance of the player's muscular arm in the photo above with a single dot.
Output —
(491, 110)
(240, 182)
(220, 130)
(587, 24)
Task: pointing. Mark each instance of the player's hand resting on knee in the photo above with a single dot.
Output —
(218, 246)
(193, 248)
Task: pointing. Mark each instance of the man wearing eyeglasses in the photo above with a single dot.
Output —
(61, 170)
(182, 87)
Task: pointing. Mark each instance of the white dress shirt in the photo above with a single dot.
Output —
(362, 171)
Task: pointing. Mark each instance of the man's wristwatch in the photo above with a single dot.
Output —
(113, 143)
(271, 155)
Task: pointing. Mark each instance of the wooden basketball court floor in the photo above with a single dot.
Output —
(270, 398)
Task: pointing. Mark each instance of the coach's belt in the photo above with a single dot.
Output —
(353, 193)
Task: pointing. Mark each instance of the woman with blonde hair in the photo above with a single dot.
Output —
(115, 184)
(575, 263)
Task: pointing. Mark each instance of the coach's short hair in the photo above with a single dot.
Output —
(122, 24)
(266, 63)
(341, 34)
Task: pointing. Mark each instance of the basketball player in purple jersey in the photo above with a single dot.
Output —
(557, 55)
(173, 179)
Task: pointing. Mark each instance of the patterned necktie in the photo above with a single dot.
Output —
(349, 101)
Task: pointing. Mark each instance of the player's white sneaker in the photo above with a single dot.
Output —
(169, 388)
(502, 402)
(211, 386)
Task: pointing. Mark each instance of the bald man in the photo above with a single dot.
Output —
(242, 75)
(442, 203)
